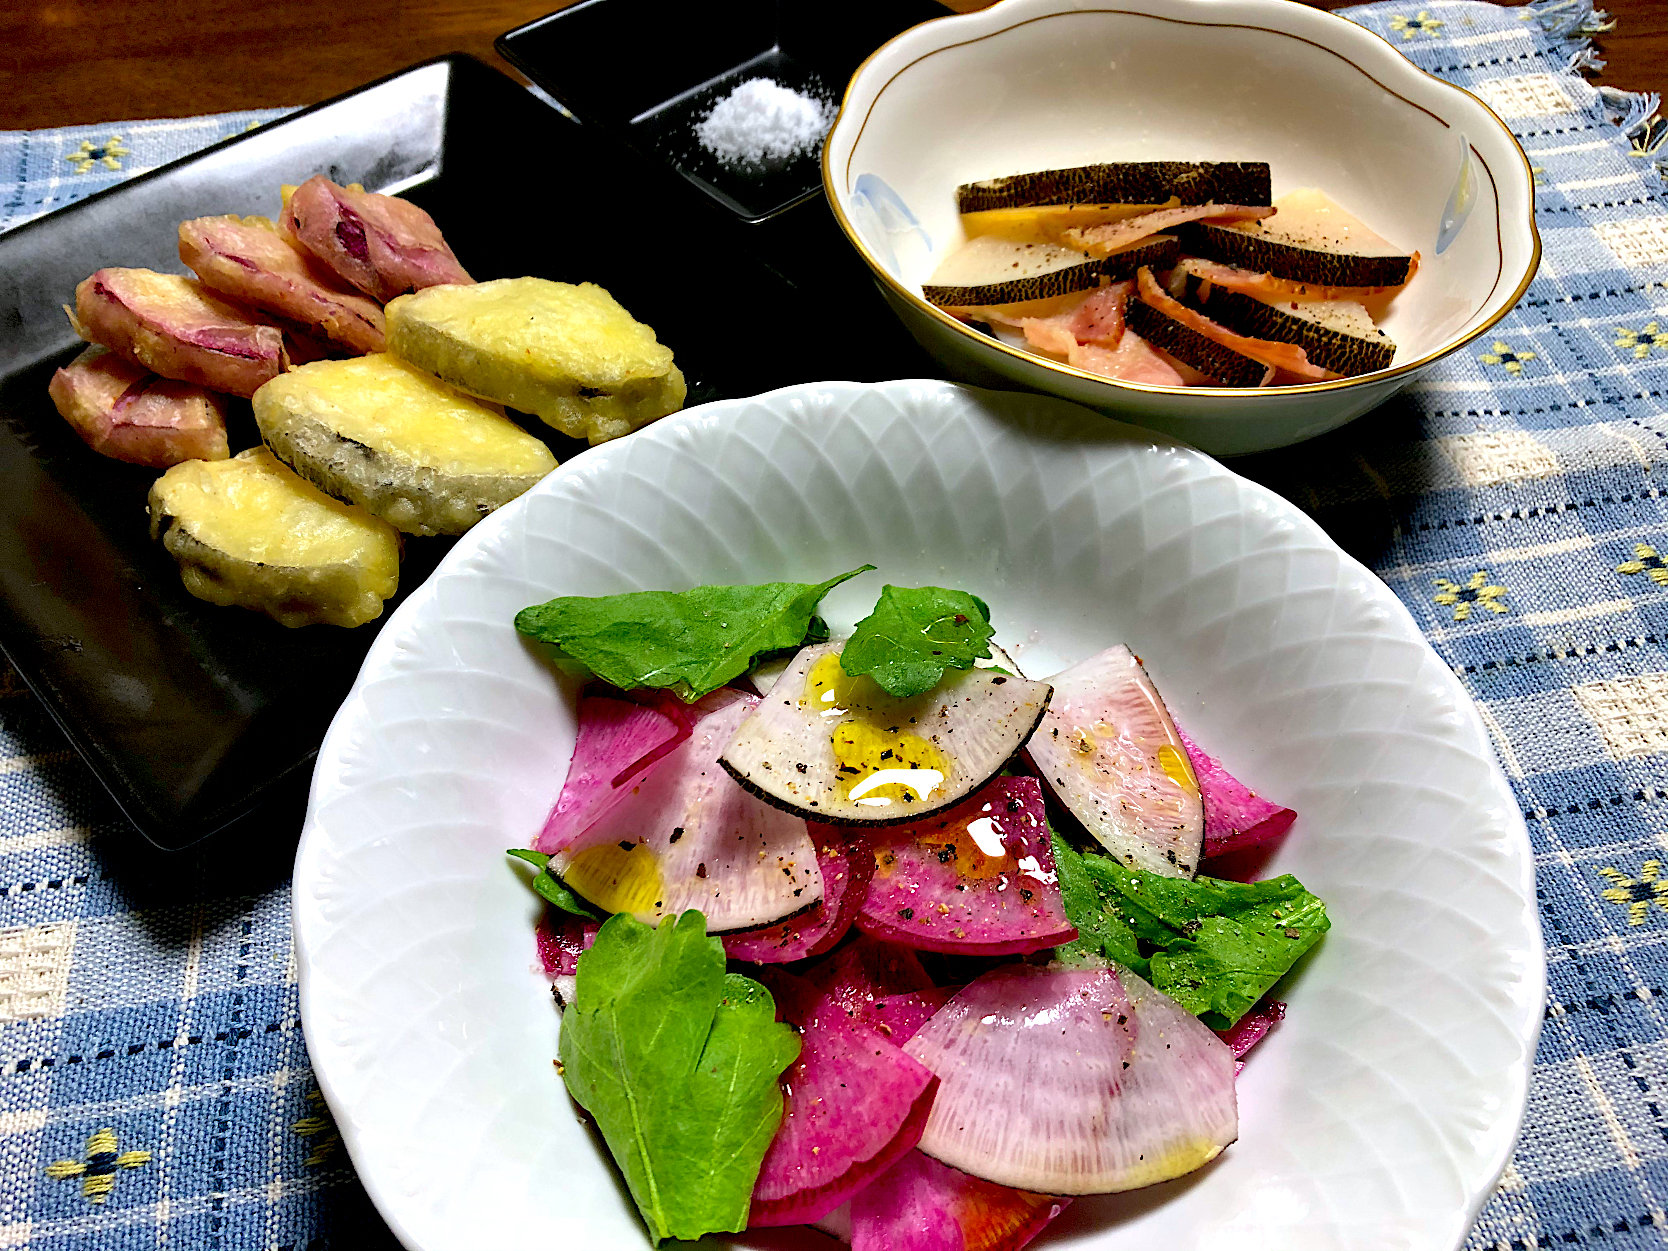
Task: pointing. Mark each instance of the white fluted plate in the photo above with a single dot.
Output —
(1376, 1118)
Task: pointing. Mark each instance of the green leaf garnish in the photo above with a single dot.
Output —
(915, 634)
(551, 888)
(678, 1063)
(1214, 947)
(692, 642)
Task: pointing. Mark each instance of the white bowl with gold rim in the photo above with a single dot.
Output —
(1040, 84)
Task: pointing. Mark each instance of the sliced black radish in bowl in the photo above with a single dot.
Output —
(835, 748)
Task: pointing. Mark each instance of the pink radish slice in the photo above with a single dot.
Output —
(868, 969)
(618, 739)
(686, 836)
(977, 880)
(1236, 817)
(1074, 1081)
(855, 1104)
(562, 936)
(900, 1017)
(1107, 748)
(922, 1205)
(1251, 1029)
(846, 863)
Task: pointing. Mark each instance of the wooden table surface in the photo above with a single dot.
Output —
(73, 61)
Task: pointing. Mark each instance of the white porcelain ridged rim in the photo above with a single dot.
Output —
(1378, 1117)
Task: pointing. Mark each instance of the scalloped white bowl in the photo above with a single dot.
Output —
(1045, 84)
(1376, 1118)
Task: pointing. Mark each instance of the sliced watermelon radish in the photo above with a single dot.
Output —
(900, 1017)
(1109, 751)
(922, 1205)
(865, 970)
(1074, 1081)
(1251, 1029)
(854, 1105)
(1236, 817)
(976, 880)
(686, 836)
(831, 747)
(562, 936)
(616, 740)
(847, 864)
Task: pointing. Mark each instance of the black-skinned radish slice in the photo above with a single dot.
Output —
(834, 748)
(977, 879)
(922, 1205)
(847, 864)
(1074, 1081)
(618, 739)
(1236, 817)
(686, 836)
(854, 1105)
(1113, 757)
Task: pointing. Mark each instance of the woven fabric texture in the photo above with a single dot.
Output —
(154, 1085)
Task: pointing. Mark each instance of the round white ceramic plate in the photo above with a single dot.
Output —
(1378, 1116)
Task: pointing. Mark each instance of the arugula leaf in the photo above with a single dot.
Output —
(551, 888)
(915, 634)
(678, 1063)
(1214, 947)
(692, 641)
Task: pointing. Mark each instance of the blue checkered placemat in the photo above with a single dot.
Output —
(154, 1084)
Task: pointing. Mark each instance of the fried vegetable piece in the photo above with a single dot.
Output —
(380, 433)
(250, 259)
(380, 244)
(124, 411)
(249, 532)
(174, 327)
(569, 354)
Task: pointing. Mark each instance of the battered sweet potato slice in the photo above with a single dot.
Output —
(250, 259)
(173, 327)
(126, 412)
(380, 244)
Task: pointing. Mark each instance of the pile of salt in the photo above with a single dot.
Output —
(762, 122)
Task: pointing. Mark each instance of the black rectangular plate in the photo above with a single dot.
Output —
(194, 715)
(649, 73)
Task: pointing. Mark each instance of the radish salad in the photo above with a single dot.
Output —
(880, 935)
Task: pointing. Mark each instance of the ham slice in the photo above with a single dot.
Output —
(1272, 290)
(1286, 356)
(1133, 360)
(1114, 236)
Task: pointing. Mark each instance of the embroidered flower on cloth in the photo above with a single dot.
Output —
(1640, 342)
(1505, 354)
(98, 1172)
(1477, 590)
(1637, 893)
(1411, 26)
(320, 1126)
(109, 153)
(1646, 560)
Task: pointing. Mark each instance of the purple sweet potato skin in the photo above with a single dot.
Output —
(380, 244)
(124, 411)
(253, 261)
(173, 327)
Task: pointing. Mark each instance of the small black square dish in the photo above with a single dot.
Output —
(651, 73)
(194, 715)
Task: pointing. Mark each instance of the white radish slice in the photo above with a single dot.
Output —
(838, 749)
(1109, 751)
(1074, 1082)
(689, 837)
